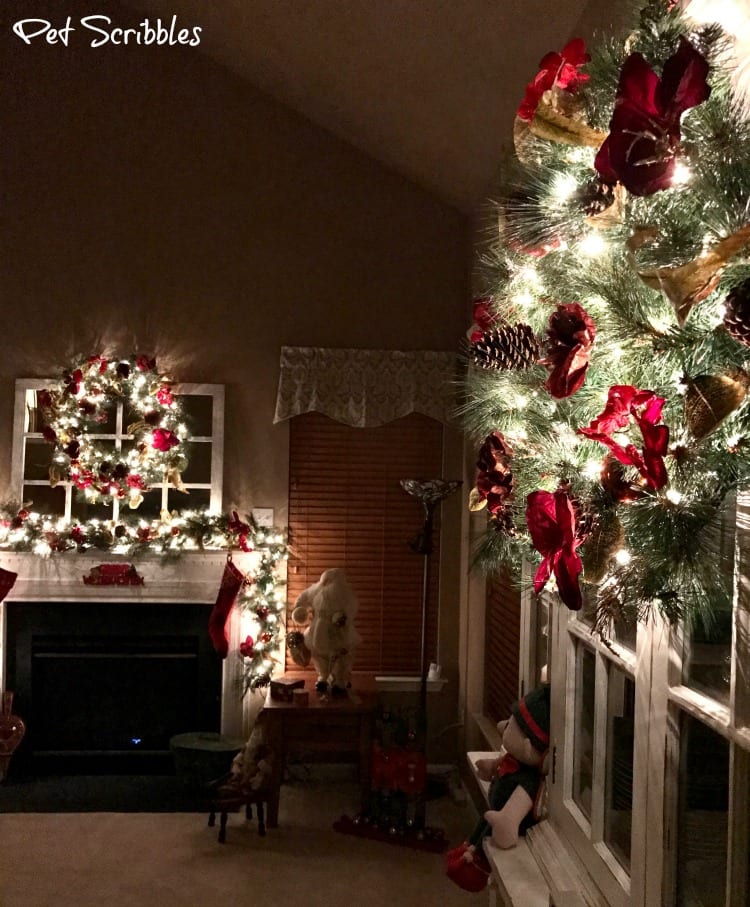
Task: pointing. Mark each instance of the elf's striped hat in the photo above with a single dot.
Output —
(532, 714)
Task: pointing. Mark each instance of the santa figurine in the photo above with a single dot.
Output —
(327, 609)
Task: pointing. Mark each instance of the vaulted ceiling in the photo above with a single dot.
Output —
(427, 87)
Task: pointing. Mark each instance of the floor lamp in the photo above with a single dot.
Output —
(430, 493)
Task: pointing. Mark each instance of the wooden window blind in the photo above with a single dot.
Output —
(347, 509)
(501, 645)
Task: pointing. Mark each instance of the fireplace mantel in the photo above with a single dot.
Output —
(193, 577)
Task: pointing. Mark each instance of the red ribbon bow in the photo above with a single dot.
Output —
(551, 520)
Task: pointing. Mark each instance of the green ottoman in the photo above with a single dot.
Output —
(202, 757)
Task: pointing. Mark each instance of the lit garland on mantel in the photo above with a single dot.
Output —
(262, 597)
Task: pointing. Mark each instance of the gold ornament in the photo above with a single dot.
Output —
(710, 399)
(552, 124)
(687, 285)
(298, 649)
(600, 547)
(476, 501)
(613, 215)
(174, 476)
(558, 118)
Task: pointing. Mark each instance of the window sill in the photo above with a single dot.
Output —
(515, 872)
(395, 684)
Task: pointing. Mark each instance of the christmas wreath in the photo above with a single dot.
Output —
(82, 404)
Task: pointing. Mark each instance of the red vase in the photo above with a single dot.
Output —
(12, 730)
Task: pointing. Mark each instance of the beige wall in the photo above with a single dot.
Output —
(153, 202)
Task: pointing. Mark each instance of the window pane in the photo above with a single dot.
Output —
(81, 509)
(198, 410)
(619, 802)
(32, 422)
(44, 499)
(37, 459)
(541, 649)
(150, 507)
(199, 463)
(195, 499)
(108, 423)
(583, 747)
(707, 657)
(625, 630)
(622, 630)
(703, 816)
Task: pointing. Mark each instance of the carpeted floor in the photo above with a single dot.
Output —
(111, 859)
(98, 793)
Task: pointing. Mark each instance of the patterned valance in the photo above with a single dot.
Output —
(366, 388)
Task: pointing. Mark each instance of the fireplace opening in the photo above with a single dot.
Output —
(102, 687)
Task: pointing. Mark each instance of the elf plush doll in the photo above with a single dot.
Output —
(516, 781)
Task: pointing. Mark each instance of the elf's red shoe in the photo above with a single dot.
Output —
(456, 853)
(470, 870)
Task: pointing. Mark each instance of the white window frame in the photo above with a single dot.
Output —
(661, 695)
(216, 439)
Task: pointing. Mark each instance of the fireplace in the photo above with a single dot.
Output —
(104, 674)
(103, 686)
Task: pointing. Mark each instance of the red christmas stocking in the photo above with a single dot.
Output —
(7, 579)
(231, 583)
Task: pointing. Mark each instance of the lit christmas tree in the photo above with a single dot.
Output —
(610, 355)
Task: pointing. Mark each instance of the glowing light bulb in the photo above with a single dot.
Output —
(564, 186)
(681, 175)
(592, 469)
(523, 300)
(673, 495)
(623, 556)
(530, 275)
(592, 245)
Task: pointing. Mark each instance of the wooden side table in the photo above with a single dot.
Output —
(323, 727)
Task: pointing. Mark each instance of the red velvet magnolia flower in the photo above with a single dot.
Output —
(164, 395)
(241, 530)
(484, 319)
(98, 363)
(145, 363)
(623, 403)
(164, 439)
(494, 479)
(571, 334)
(73, 382)
(551, 519)
(247, 648)
(555, 69)
(645, 128)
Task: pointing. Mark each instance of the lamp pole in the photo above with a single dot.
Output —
(430, 493)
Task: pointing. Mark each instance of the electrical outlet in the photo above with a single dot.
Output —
(263, 516)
